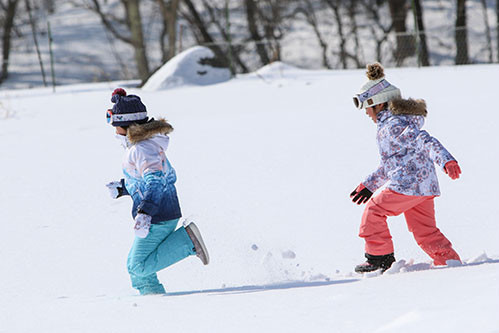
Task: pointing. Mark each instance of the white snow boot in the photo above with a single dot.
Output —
(197, 240)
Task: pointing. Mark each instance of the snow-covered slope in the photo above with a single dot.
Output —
(265, 164)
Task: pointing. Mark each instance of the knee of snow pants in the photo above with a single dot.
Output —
(420, 216)
(162, 247)
(421, 222)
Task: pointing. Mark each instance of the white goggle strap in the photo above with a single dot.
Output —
(360, 98)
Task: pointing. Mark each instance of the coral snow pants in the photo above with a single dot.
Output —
(419, 213)
(162, 247)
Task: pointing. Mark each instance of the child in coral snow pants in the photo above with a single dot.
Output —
(408, 157)
(150, 181)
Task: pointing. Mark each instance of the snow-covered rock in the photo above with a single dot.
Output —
(187, 68)
(277, 68)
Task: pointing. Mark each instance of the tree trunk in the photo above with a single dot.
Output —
(272, 25)
(487, 30)
(49, 6)
(169, 14)
(497, 28)
(461, 34)
(251, 10)
(358, 53)
(311, 18)
(232, 52)
(405, 43)
(8, 25)
(373, 11)
(339, 22)
(423, 47)
(202, 34)
(172, 28)
(335, 7)
(137, 37)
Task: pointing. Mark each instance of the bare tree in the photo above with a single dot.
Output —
(200, 29)
(134, 23)
(8, 25)
(358, 52)
(169, 10)
(223, 26)
(309, 12)
(405, 42)
(373, 7)
(345, 27)
(49, 6)
(251, 13)
(487, 30)
(270, 14)
(134, 36)
(335, 7)
(497, 25)
(35, 38)
(268, 22)
(423, 47)
(461, 34)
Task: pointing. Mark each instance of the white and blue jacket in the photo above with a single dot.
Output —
(149, 177)
(407, 153)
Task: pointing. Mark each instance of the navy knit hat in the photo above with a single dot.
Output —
(127, 110)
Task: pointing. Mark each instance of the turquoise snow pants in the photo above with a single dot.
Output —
(162, 247)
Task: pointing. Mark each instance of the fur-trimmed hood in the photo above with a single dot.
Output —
(137, 133)
(415, 107)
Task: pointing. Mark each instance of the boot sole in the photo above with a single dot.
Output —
(197, 240)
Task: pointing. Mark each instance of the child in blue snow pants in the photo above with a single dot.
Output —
(161, 248)
(150, 181)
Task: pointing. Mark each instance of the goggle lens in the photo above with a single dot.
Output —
(109, 115)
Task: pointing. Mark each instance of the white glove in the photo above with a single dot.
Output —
(115, 189)
(142, 225)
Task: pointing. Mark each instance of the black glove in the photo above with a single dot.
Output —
(117, 189)
(361, 194)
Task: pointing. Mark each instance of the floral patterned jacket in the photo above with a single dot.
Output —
(407, 153)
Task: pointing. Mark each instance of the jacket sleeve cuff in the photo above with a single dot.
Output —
(124, 191)
(444, 159)
(147, 207)
(370, 186)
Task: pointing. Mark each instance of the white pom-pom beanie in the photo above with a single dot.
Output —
(376, 90)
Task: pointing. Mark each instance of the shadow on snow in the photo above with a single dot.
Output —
(256, 288)
(302, 284)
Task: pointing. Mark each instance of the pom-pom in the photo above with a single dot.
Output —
(375, 71)
(119, 91)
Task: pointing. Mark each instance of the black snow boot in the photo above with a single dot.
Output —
(374, 263)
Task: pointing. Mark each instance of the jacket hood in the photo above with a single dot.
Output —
(414, 107)
(152, 128)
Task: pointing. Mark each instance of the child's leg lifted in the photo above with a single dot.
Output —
(162, 247)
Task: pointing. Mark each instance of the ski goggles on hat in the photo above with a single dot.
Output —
(109, 115)
(123, 117)
(359, 99)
